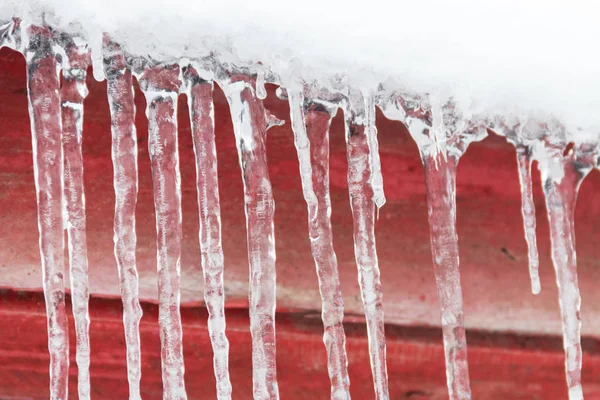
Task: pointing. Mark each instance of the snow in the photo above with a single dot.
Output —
(503, 56)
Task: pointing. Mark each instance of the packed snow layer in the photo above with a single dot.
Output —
(497, 56)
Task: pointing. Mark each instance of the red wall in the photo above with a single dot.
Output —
(495, 278)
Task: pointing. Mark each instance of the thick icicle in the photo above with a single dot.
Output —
(310, 123)
(366, 193)
(200, 102)
(73, 92)
(45, 113)
(440, 178)
(562, 173)
(125, 179)
(443, 135)
(250, 123)
(160, 85)
(528, 211)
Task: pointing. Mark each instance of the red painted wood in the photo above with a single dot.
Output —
(492, 248)
(502, 366)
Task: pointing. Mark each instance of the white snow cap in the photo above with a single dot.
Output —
(506, 55)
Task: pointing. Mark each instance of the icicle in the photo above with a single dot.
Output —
(73, 92)
(261, 92)
(45, 113)
(10, 34)
(250, 128)
(366, 192)
(124, 155)
(96, 43)
(371, 132)
(200, 102)
(310, 123)
(160, 85)
(522, 138)
(443, 135)
(562, 173)
(528, 211)
(440, 177)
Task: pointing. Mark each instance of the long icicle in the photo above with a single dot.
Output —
(366, 194)
(310, 123)
(200, 103)
(440, 178)
(250, 128)
(125, 179)
(73, 92)
(562, 175)
(443, 134)
(46, 126)
(161, 85)
(528, 212)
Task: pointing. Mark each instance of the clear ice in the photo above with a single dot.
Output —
(43, 89)
(365, 187)
(563, 167)
(442, 133)
(310, 123)
(125, 180)
(200, 101)
(528, 212)
(160, 84)
(72, 94)
(250, 123)
(524, 140)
